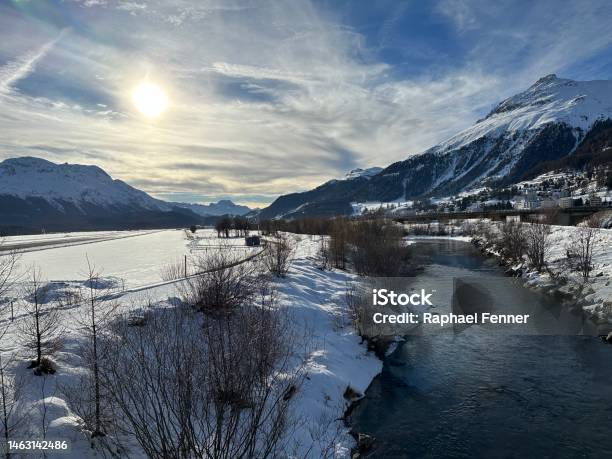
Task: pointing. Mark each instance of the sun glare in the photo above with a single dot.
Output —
(149, 99)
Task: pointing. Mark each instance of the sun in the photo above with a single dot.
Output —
(149, 99)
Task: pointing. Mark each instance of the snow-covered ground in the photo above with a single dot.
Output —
(135, 258)
(598, 298)
(336, 358)
(595, 295)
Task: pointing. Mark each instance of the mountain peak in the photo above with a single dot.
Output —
(31, 177)
(365, 173)
(550, 78)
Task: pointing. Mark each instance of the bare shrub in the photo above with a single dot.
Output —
(222, 285)
(377, 248)
(484, 231)
(468, 228)
(278, 255)
(221, 389)
(40, 332)
(173, 270)
(352, 299)
(513, 240)
(538, 244)
(580, 251)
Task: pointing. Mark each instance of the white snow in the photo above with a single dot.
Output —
(336, 358)
(598, 289)
(26, 177)
(578, 103)
(365, 173)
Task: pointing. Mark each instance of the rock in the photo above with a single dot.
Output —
(351, 394)
(600, 274)
(365, 443)
(608, 338)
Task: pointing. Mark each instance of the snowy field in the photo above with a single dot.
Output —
(134, 258)
(336, 358)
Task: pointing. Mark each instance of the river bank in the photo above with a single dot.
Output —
(474, 393)
(593, 297)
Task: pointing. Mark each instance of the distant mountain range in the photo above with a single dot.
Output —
(548, 125)
(37, 195)
(222, 207)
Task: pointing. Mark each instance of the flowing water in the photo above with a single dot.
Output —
(483, 394)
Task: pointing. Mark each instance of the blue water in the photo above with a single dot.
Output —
(477, 394)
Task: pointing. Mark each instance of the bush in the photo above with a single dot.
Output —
(219, 389)
(538, 244)
(580, 251)
(222, 285)
(46, 367)
(513, 240)
(377, 248)
(278, 255)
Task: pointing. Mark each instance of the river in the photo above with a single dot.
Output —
(482, 394)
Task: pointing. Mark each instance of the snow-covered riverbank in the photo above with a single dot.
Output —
(594, 296)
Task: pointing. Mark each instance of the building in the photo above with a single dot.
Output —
(252, 241)
(549, 204)
(527, 204)
(595, 200)
(566, 202)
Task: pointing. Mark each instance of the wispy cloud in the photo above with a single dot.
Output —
(274, 96)
(21, 67)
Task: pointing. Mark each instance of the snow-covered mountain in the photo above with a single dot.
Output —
(36, 194)
(79, 185)
(365, 173)
(222, 207)
(540, 125)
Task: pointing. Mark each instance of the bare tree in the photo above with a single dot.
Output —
(278, 255)
(96, 315)
(538, 244)
(580, 251)
(223, 226)
(323, 254)
(338, 244)
(40, 332)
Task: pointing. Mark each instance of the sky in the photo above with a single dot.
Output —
(270, 97)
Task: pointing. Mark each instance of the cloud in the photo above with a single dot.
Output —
(271, 97)
(21, 67)
(460, 12)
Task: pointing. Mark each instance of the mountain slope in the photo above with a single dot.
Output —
(331, 198)
(542, 124)
(36, 195)
(222, 207)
